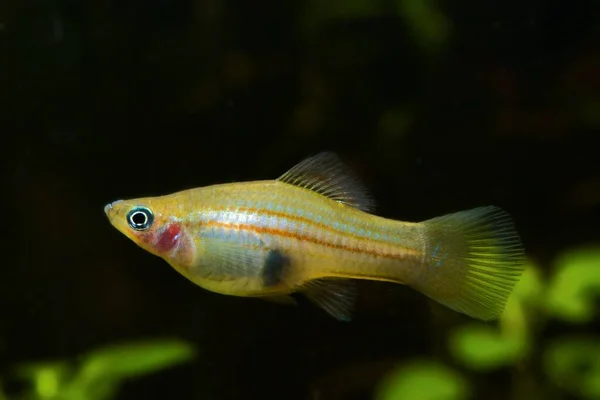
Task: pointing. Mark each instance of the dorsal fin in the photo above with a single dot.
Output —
(327, 175)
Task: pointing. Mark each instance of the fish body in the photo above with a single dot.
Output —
(312, 231)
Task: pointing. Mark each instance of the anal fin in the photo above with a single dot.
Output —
(334, 295)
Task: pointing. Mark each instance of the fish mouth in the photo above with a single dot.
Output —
(109, 206)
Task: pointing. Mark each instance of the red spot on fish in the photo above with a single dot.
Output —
(168, 237)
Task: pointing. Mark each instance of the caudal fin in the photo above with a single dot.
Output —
(473, 260)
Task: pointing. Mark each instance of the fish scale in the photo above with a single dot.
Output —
(291, 230)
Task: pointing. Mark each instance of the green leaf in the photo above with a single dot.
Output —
(574, 365)
(576, 282)
(136, 358)
(424, 380)
(47, 378)
(529, 289)
(482, 347)
(102, 371)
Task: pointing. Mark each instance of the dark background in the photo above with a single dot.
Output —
(107, 100)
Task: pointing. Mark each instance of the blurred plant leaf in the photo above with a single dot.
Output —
(530, 287)
(574, 364)
(136, 358)
(430, 26)
(574, 285)
(482, 347)
(46, 377)
(102, 370)
(424, 380)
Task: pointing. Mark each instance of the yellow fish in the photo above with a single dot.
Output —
(311, 231)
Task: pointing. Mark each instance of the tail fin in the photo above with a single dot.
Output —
(473, 260)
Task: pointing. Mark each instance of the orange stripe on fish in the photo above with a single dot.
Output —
(292, 235)
(297, 218)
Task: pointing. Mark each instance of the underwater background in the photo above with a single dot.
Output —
(437, 105)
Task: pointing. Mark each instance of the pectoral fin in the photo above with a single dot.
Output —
(227, 259)
(245, 257)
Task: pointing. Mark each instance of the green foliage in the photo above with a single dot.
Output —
(570, 363)
(529, 290)
(98, 374)
(132, 359)
(574, 364)
(576, 282)
(46, 378)
(424, 380)
(483, 347)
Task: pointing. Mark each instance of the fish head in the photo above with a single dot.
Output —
(152, 224)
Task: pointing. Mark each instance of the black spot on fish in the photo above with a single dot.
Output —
(274, 268)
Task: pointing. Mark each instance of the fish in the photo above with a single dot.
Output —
(313, 232)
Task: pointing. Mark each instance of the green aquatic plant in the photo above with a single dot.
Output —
(573, 363)
(571, 294)
(98, 374)
(570, 363)
(424, 380)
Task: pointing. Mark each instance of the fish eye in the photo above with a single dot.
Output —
(140, 218)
